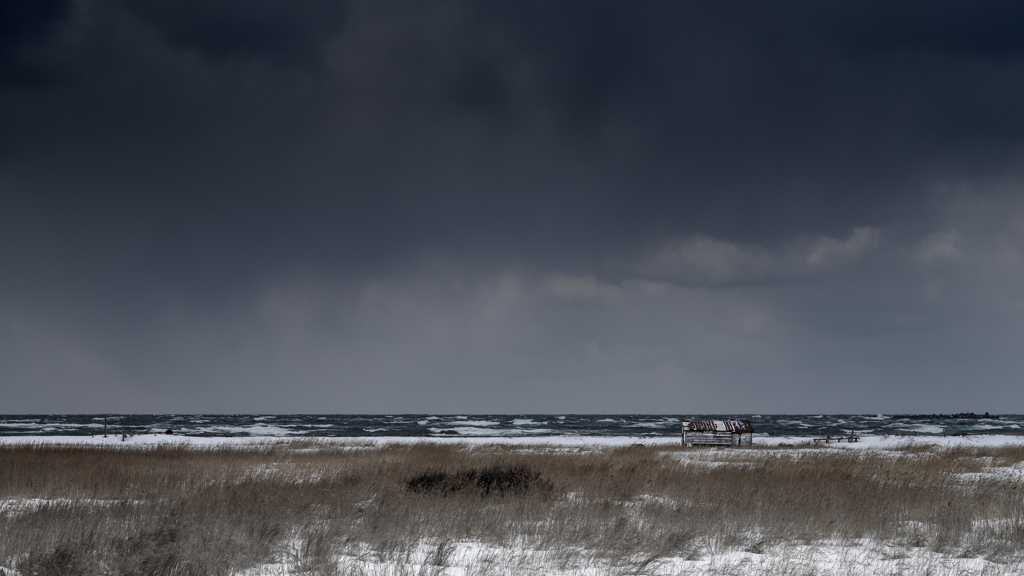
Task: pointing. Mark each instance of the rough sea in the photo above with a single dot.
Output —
(482, 425)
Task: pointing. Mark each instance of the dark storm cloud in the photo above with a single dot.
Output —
(989, 30)
(24, 26)
(286, 32)
(431, 196)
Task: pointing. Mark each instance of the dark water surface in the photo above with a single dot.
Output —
(432, 425)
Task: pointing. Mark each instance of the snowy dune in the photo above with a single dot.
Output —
(753, 555)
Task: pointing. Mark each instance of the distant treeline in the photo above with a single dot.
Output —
(959, 416)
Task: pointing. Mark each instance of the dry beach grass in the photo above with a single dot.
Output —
(332, 508)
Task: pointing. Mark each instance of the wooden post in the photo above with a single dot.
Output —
(104, 426)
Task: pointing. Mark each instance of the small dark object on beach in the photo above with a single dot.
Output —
(492, 481)
(169, 431)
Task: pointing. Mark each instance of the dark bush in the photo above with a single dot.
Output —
(516, 480)
(64, 560)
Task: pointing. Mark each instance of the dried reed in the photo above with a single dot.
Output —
(175, 510)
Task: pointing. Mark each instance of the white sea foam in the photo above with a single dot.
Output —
(525, 422)
(487, 423)
(52, 426)
(254, 430)
(470, 431)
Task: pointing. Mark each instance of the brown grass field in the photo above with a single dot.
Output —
(323, 507)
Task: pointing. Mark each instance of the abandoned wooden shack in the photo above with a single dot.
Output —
(717, 433)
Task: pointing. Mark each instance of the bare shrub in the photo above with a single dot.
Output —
(515, 480)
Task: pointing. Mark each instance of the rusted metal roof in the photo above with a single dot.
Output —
(739, 426)
(735, 426)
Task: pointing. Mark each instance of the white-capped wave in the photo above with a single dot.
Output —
(53, 426)
(469, 431)
(254, 430)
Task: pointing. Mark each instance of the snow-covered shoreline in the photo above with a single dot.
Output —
(865, 442)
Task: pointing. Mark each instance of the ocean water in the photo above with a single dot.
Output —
(481, 425)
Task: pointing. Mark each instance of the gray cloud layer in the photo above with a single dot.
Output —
(510, 207)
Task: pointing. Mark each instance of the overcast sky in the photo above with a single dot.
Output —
(384, 206)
